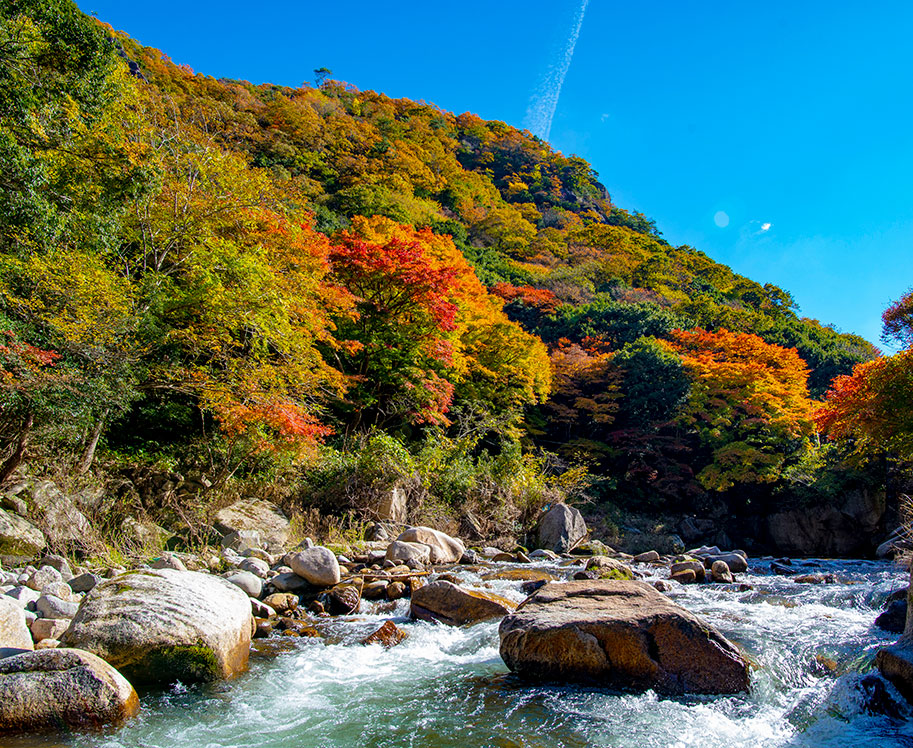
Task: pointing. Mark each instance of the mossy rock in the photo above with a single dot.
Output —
(188, 664)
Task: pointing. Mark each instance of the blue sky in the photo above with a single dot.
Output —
(714, 118)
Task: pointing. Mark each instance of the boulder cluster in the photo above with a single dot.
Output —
(75, 641)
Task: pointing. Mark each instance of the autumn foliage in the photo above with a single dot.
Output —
(207, 266)
(749, 403)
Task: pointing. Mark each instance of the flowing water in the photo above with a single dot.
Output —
(448, 687)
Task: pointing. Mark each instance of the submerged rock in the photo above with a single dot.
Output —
(447, 603)
(622, 635)
(893, 618)
(52, 689)
(159, 626)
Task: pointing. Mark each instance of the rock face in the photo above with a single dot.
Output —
(619, 634)
(158, 626)
(392, 508)
(559, 529)
(844, 528)
(14, 632)
(442, 549)
(444, 602)
(19, 538)
(65, 526)
(317, 566)
(56, 688)
(256, 514)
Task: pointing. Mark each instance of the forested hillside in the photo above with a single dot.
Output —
(330, 291)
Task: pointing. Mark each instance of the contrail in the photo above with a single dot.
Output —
(543, 104)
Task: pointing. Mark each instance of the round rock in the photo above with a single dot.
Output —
(159, 626)
(56, 688)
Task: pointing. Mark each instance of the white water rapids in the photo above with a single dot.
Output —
(447, 687)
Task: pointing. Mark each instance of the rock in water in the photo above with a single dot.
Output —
(14, 632)
(317, 565)
(443, 549)
(560, 529)
(255, 514)
(159, 626)
(58, 688)
(444, 602)
(621, 635)
(388, 635)
(720, 572)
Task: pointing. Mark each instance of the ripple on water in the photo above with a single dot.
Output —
(447, 687)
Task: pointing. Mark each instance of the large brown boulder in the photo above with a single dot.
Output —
(258, 515)
(163, 625)
(442, 548)
(51, 689)
(621, 635)
(447, 603)
(560, 529)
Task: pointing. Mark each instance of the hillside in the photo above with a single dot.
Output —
(329, 291)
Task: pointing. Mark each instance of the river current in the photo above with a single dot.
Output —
(447, 687)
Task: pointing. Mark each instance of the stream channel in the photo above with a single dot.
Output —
(448, 687)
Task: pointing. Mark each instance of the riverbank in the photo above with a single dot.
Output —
(805, 625)
(447, 686)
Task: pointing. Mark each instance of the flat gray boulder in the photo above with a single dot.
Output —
(52, 689)
(14, 631)
(255, 514)
(621, 635)
(560, 529)
(162, 625)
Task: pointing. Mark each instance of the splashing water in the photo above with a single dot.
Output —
(448, 688)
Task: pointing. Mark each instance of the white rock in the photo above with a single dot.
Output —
(49, 628)
(443, 549)
(159, 626)
(43, 577)
(399, 551)
(14, 631)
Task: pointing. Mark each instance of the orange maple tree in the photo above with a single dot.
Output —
(749, 404)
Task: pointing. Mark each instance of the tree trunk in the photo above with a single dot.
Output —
(14, 460)
(89, 455)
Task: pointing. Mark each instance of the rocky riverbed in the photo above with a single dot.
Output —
(397, 643)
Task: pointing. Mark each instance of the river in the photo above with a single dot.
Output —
(447, 687)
